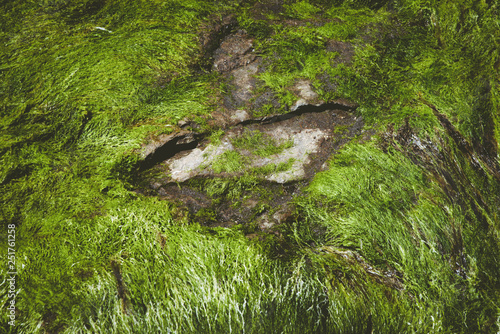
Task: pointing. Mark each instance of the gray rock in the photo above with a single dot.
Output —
(244, 82)
(235, 51)
(240, 116)
(195, 162)
(157, 142)
(305, 142)
(307, 96)
(305, 91)
(265, 223)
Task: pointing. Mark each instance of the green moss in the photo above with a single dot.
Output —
(260, 144)
(206, 216)
(231, 188)
(340, 129)
(229, 161)
(299, 52)
(301, 10)
(370, 193)
(255, 27)
(275, 168)
(266, 110)
(83, 83)
(215, 137)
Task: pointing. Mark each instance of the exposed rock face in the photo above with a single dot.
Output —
(212, 34)
(195, 162)
(284, 214)
(240, 66)
(244, 82)
(235, 51)
(300, 143)
(295, 141)
(305, 142)
(165, 146)
(306, 137)
(303, 89)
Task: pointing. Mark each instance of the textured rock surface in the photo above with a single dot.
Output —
(306, 134)
(195, 163)
(198, 161)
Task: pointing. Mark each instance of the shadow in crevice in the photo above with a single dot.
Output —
(169, 149)
(189, 141)
(303, 109)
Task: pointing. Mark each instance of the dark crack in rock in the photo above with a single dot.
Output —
(299, 143)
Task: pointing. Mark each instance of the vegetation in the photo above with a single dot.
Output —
(400, 235)
(260, 144)
(229, 161)
(275, 168)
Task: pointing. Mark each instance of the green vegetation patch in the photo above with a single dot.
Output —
(229, 162)
(275, 168)
(260, 143)
(83, 83)
(301, 10)
(300, 51)
(397, 217)
(232, 188)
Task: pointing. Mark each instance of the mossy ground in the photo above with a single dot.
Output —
(83, 83)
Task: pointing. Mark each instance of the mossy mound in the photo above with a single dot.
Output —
(398, 232)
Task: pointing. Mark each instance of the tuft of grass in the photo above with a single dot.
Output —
(83, 83)
(260, 144)
(215, 137)
(397, 216)
(231, 188)
(229, 162)
(301, 10)
(299, 52)
(275, 168)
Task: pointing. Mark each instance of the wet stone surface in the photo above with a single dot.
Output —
(245, 94)
(259, 164)
(236, 50)
(283, 157)
(306, 141)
